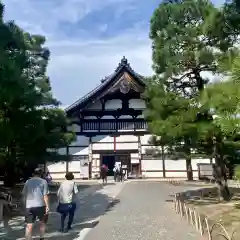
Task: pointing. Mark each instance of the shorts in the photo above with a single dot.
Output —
(36, 213)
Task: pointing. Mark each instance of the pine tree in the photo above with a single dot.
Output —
(187, 43)
(30, 119)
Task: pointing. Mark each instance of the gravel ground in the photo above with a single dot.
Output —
(13, 228)
(144, 212)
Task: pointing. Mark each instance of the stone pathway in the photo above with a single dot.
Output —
(93, 202)
(141, 210)
(144, 211)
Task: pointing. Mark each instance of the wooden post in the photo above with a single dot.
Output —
(90, 158)
(1, 210)
(163, 162)
(140, 155)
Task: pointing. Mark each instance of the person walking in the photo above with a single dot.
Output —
(103, 173)
(115, 172)
(35, 195)
(67, 201)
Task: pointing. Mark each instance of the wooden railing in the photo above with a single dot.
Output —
(113, 125)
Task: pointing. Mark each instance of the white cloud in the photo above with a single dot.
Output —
(77, 65)
(80, 65)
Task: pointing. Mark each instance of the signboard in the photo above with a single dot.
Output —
(205, 171)
(135, 161)
(84, 168)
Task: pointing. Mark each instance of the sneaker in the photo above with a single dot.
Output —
(68, 229)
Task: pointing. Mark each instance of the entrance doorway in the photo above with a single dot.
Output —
(109, 160)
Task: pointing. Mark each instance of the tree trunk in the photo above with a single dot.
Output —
(220, 173)
(188, 158)
(189, 168)
(10, 175)
(221, 180)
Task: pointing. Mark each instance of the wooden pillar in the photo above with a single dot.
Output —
(90, 158)
(67, 160)
(1, 209)
(140, 155)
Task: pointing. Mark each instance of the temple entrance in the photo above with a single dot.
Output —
(109, 160)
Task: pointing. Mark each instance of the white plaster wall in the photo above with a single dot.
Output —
(125, 117)
(96, 156)
(74, 166)
(137, 104)
(152, 174)
(81, 141)
(151, 165)
(110, 146)
(154, 148)
(58, 176)
(102, 146)
(134, 158)
(175, 164)
(117, 103)
(78, 150)
(127, 138)
(57, 170)
(134, 155)
(102, 138)
(110, 139)
(108, 117)
(113, 104)
(90, 117)
(145, 139)
(182, 174)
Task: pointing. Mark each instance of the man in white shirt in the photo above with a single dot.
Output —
(67, 202)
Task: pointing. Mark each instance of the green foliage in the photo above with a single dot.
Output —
(224, 100)
(31, 121)
(189, 39)
(237, 172)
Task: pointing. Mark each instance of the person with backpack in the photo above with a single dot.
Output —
(67, 201)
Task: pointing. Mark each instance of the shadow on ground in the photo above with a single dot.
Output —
(90, 207)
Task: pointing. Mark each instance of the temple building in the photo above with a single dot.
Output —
(110, 127)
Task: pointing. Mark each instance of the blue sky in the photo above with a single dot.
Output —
(87, 38)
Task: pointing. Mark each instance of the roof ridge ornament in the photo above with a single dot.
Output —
(124, 63)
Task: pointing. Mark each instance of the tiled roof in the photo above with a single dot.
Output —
(123, 64)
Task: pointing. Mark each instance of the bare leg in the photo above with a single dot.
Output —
(42, 228)
(28, 232)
